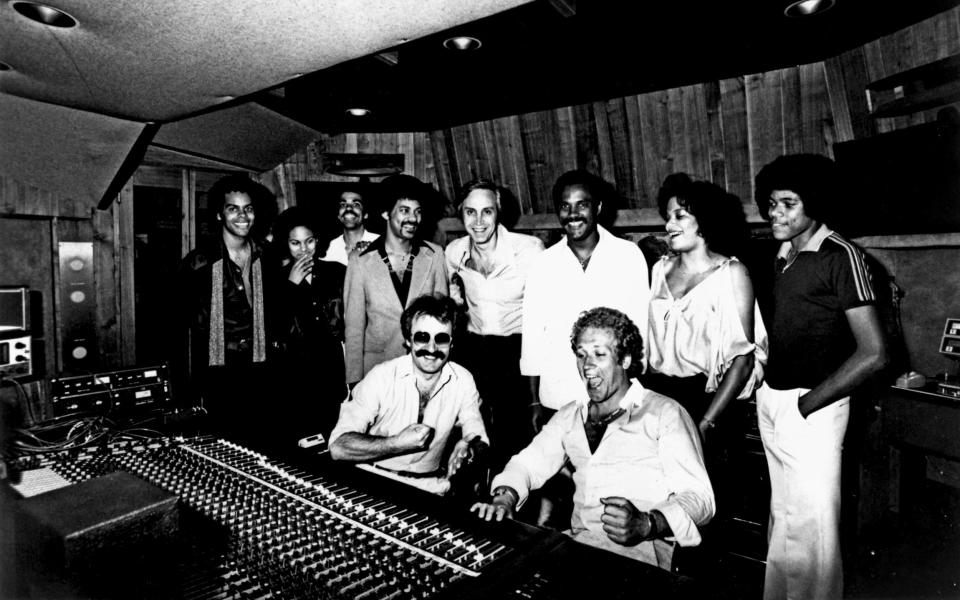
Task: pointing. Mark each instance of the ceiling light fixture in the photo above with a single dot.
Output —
(462, 42)
(47, 15)
(358, 111)
(808, 8)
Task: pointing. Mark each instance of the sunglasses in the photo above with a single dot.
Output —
(440, 339)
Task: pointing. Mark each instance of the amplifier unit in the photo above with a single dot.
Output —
(15, 353)
(124, 393)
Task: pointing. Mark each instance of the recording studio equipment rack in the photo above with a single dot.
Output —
(121, 393)
(255, 527)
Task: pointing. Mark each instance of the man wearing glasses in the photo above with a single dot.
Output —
(400, 416)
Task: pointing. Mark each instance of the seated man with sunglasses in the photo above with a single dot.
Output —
(400, 416)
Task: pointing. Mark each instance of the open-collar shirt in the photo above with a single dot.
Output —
(650, 455)
(387, 400)
(495, 301)
(558, 290)
(337, 250)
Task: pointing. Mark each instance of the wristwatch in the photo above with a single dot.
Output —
(505, 491)
(652, 526)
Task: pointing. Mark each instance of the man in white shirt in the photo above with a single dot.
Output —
(589, 267)
(641, 485)
(488, 272)
(401, 415)
(352, 214)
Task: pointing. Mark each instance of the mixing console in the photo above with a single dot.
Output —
(252, 527)
(294, 531)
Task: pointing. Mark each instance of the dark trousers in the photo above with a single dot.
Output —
(237, 398)
(494, 362)
(313, 381)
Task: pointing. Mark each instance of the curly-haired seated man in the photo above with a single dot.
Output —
(641, 486)
(400, 416)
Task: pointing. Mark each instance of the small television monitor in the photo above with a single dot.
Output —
(14, 308)
(901, 182)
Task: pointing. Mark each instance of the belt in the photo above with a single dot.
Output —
(241, 345)
(413, 474)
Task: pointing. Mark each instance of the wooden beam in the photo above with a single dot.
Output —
(129, 165)
(932, 98)
(188, 212)
(127, 293)
(925, 240)
(565, 8)
(635, 218)
(57, 344)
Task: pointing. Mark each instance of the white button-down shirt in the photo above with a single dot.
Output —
(649, 455)
(495, 301)
(558, 290)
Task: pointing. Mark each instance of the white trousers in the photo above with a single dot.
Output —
(803, 455)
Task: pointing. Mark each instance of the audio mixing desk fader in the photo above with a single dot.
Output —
(253, 527)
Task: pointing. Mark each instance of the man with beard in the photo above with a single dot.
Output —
(387, 276)
(641, 485)
(225, 292)
(352, 214)
(401, 415)
(589, 267)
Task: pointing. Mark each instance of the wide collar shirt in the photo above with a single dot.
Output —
(495, 301)
(813, 245)
(387, 400)
(650, 455)
(558, 289)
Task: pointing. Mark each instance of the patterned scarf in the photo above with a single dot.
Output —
(216, 346)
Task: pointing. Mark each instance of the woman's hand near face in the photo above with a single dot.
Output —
(301, 268)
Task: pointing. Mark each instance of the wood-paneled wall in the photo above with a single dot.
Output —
(724, 131)
(71, 220)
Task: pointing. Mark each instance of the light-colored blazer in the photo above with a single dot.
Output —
(372, 308)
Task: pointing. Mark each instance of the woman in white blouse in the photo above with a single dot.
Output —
(706, 341)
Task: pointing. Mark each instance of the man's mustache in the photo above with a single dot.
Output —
(570, 220)
(436, 354)
(351, 212)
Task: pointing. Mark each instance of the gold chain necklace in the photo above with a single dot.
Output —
(605, 420)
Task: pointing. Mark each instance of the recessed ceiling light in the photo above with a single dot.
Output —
(47, 15)
(808, 8)
(358, 111)
(462, 42)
